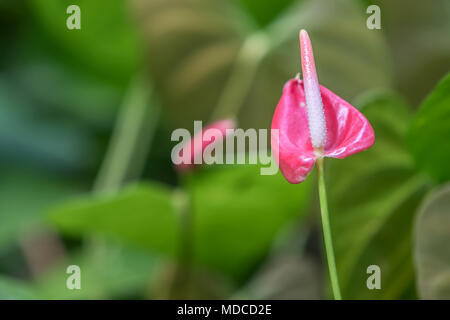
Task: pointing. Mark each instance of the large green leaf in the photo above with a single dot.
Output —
(432, 235)
(373, 196)
(208, 55)
(429, 133)
(237, 213)
(140, 214)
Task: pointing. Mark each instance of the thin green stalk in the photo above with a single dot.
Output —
(327, 231)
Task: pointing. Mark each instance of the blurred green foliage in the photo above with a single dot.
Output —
(375, 194)
(429, 132)
(150, 217)
(14, 290)
(108, 271)
(110, 46)
(204, 54)
(85, 122)
(237, 213)
(226, 202)
(432, 256)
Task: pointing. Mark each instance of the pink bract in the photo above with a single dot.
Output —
(313, 122)
(347, 131)
(198, 143)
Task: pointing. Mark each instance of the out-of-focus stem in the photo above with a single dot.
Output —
(327, 231)
(128, 148)
(131, 138)
(182, 275)
(253, 50)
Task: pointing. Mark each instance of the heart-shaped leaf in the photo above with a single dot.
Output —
(141, 214)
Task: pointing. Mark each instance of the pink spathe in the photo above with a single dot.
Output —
(313, 122)
(198, 143)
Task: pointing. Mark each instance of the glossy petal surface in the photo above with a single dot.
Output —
(348, 131)
(295, 154)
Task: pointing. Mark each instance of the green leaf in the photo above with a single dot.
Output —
(429, 133)
(205, 55)
(238, 212)
(431, 238)
(373, 196)
(106, 42)
(141, 214)
(226, 202)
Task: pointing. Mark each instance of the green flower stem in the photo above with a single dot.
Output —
(327, 231)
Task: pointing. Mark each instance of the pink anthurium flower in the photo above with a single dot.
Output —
(313, 123)
(201, 140)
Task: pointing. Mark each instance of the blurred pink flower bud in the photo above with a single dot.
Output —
(314, 122)
(200, 141)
